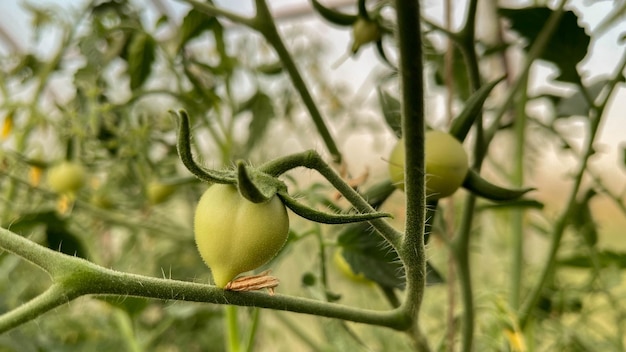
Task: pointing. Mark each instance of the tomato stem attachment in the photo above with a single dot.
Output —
(248, 189)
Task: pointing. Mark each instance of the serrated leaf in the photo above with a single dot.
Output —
(368, 254)
(567, 46)
(392, 112)
(141, 55)
(194, 23)
(262, 113)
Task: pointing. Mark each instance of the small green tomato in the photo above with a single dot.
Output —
(363, 32)
(446, 164)
(158, 192)
(66, 177)
(234, 235)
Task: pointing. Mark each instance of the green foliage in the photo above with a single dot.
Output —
(567, 46)
(251, 118)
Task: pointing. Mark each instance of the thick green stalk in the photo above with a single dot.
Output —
(264, 23)
(74, 277)
(517, 215)
(232, 329)
(411, 70)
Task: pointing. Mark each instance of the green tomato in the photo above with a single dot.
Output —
(66, 177)
(234, 235)
(446, 164)
(363, 32)
(158, 192)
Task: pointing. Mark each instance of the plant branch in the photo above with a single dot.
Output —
(412, 251)
(595, 119)
(74, 277)
(264, 23)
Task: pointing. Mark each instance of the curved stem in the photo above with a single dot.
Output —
(264, 23)
(75, 277)
(184, 151)
(312, 160)
(53, 297)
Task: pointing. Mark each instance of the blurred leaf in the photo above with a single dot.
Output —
(459, 70)
(262, 109)
(391, 111)
(576, 104)
(194, 23)
(131, 305)
(333, 16)
(26, 222)
(473, 106)
(141, 55)
(567, 46)
(271, 68)
(582, 219)
(59, 238)
(606, 258)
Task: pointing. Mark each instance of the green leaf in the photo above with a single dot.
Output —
(367, 253)
(567, 46)
(262, 113)
(462, 123)
(194, 23)
(59, 238)
(391, 111)
(333, 16)
(606, 258)
(582, 219)
(141, 55)
(459, 70)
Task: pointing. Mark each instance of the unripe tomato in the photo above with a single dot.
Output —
(446, 164)
(235, 235)
(66, 177)
(363, 32)
(158, 192)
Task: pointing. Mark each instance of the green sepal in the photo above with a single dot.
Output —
(326, 218)
(462, 123)
(256, 186)
(333, 16)
(479, 186)
(184, 152)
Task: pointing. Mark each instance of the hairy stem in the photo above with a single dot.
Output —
(74, 277)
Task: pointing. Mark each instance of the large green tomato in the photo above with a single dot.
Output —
(235, 235)
(446, 164)
(66, 177)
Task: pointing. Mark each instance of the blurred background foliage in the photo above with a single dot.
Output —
(99, 95)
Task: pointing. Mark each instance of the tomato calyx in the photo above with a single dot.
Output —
(256, 185)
